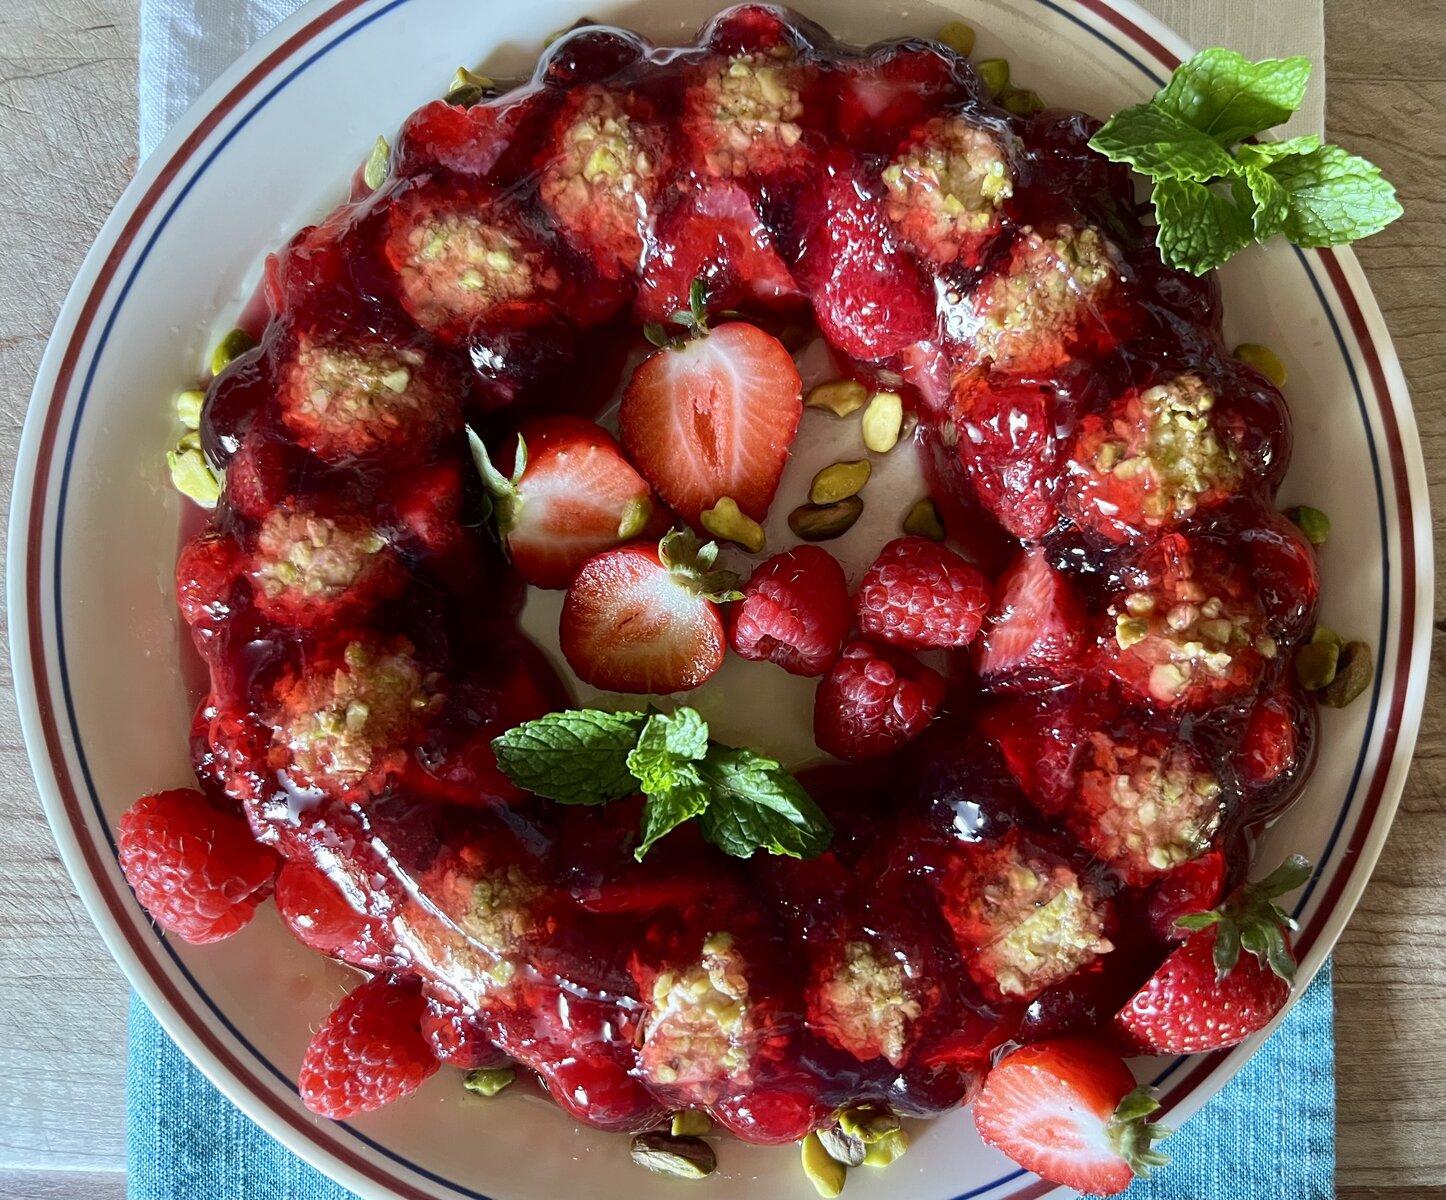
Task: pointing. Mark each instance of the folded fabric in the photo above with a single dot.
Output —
(1268, 1135)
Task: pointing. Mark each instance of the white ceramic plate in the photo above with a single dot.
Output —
(94, 530)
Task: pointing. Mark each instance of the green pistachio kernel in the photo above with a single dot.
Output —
(889, 1148)
(691, 1123)
(377, 162)
(1353, 675)
(995, 74)
(868, 1121)
(636, 515)
(467, 88)
(883, 421)
(488, 1081)
(1316, 663)
(192, 476)
(839, 481)
(824, 1171)
(188, 408)
(680, 1157)
(840, 396)
(1323, 633)
(229, 349)
(1263, 359)
(824, 522)
(958, 36)
(1022, 102)
(924, 520)
(1312, 522)
(727, 521)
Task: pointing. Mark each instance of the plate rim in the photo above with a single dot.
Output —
(137, 955)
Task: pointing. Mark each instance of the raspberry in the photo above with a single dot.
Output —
(459, 1036)
(920, 595)
(205, 576)
(197, 871)
(324, 917)
(874, 701)
(369, 1052)
(794, 612)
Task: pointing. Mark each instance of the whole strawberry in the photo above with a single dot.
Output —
(794, 612)
(921, 595)
(322, 913)
(1069, 1110)
(1208, 995)
(874, 701)
(196, 870)
(369, 1052)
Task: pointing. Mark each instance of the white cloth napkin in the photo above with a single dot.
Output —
(185, 44)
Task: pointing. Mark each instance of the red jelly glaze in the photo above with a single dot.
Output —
(351, 704)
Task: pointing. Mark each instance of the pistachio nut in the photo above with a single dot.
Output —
(488, 1081)
(924, 520)
(994, 72)
(727, 521)
(889, 1148)
(377, 163)
(1354, 668)
(823, 522)
(868, 1121)
(680, 1157)
(188, 408)
(882, 422)
(839, 481)
(1316, 663)
(824, 1171)
(229, 349)
(840, 396)
(1263, 359)
(691, 1123)
(958, 36)
(843, 1148)
(192, 476)
(1312, 522)
(1022, 102)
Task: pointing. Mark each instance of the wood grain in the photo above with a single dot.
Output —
(67, 135)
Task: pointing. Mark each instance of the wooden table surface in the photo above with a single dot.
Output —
(67, 148)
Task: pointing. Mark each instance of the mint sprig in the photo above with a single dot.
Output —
(743, 801)
(1211, 201)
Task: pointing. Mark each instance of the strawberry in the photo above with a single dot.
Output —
(600, 175)
(1035, 633)
(921, 595)
(459, 1036)
(1207, 995)
(1069, 1110)
(492, 138)
(571, 495)
(197, 871)
(206, 575)
(1191, 887)
(1152, 460)
(1278, 745)
(874, 701)
(1284, 570)
(881, 97)
(743, 117)
(713, 415)
(870, 297)
(322, 913)
(1187, 632)
(1009, 445)
(368, 1052)
(645, 619)
(794, 612)
(714, 234)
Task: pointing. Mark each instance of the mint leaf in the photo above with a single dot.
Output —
(1200, 228)
(1160, 145)
(665, 744)
(1226, 96)
(1257, 193)
(1262, 154)
(669, 807)
(755, 804)
(579, 756)
(1333, 197)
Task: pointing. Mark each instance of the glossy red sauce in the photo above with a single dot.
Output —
(530, 923)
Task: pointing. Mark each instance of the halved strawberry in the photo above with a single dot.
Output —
(1009, 445)
(713, 416)
(870, 297)
(1069, 1110)
(1035, 636)
(1207, 995)
(571, 494)
(714, 234)
(644, 619)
